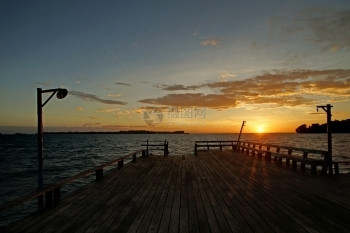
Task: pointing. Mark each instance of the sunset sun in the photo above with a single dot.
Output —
(260, 129)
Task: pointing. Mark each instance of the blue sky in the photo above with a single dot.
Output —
(267, 62)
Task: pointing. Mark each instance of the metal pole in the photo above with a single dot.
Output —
(328, 110)
(40, 138)
(329, 134)
(40, 148)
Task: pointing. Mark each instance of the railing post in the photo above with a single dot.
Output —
(57, 195)
(195, 149)
(325, 163)
(302, 165)
(288, 158)
(147, 148)
(277, 151)
(167, 148)
(99, 174)
(134, 157)
(48, 200)
(120, 164)
(40, 203)
(336, 168)
(268, 153)
(259, 152)
(165, 152)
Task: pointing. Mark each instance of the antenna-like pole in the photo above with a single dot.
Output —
(240, 132)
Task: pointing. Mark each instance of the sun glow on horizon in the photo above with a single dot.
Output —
(260, 129)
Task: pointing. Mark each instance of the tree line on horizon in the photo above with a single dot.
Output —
(337, 126)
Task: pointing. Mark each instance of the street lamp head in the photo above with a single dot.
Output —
(61, 93)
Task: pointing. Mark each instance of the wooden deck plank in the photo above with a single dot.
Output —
(267, 202)
(192, 211)
(293, 199)
(215, 191)
(261, 201)
(155, 218)
(166, 214)
(201, 215)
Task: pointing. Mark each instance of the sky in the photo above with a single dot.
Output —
(198, 66)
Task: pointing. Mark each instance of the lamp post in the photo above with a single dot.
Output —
(327, 108)
(60, 94)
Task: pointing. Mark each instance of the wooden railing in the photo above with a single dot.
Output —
(311, 157)
(52, 193)
(157, 146)
(209, 144)
(290, 155)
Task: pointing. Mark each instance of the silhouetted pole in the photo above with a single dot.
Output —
(61, 93)
(327, 109)
(240, 132)
(40, 138)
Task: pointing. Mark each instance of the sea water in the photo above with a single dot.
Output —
(69, 154)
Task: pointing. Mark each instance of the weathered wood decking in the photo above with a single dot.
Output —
(215, 191)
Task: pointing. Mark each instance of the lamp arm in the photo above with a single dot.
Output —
(53, 93)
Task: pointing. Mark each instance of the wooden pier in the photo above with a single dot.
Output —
(213, 191)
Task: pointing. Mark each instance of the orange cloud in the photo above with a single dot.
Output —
(107, 110)
(210, 42)
(216, 101)
(280, 88)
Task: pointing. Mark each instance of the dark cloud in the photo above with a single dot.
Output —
(279, 88)
(177, 87)
(94, 98)
(123, 84)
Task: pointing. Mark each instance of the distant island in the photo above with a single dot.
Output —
(122, 132)
(342, 126)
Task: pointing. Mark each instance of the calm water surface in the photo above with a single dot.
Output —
(69, 154)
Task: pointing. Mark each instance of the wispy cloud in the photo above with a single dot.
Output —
(94, 98)
(223, 77)
(43, 84)
(107, 110)
(149, 108)
(123, 84)
(329, 28)
(79, 109)
(279, 88)
(210, 42)
(176, 87)
(114, 95)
